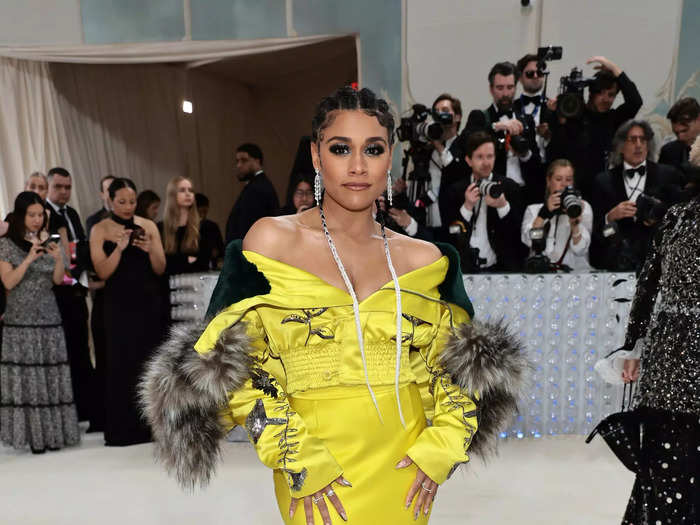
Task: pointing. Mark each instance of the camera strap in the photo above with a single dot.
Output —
(563, 254)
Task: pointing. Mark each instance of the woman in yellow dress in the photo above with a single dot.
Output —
(344, 349)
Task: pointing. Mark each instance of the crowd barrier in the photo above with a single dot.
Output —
(566, 322)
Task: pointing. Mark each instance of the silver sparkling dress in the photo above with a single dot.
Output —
(36, 396)
(665, 321)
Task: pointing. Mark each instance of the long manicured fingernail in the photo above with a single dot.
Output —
(344, 516)
(415, 515)
(402, 463)
(345, 482)
(426, 510)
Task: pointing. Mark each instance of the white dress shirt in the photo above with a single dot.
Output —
(634, 185)
(480, 235)
(536, 112)
(577, 255)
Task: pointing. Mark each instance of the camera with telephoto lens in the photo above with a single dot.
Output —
(491, 188)
(571, 202)
(570, 103)
(650, 209)
(423, 125)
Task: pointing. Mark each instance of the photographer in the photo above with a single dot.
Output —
(489, 207)
(586, 140)
(513, 133)
(685, 122)
(445, 166)
(629, 200)
(567, 219)
(532, 102)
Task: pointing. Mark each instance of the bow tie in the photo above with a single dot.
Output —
(536, 100)
(500, 113)
(642, 170)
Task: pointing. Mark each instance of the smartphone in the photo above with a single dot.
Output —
(137, 233)
(54, 237)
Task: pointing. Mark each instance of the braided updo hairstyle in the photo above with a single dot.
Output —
(349, 98)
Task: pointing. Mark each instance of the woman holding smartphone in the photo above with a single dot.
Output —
(36, 398)
(128, 255)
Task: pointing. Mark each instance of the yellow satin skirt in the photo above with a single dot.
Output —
(346, 420)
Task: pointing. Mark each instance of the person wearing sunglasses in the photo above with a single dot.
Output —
(532, 101)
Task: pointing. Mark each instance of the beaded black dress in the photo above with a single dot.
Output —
(668, 397)
(36, 396)
(134, 325)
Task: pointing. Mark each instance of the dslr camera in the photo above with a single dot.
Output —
(570, 103)
(423, 125)
(470, 261)
(491, 188)
(571, 202)
(650, 209)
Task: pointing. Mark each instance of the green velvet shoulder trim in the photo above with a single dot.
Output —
(239, 279)
(452, 288)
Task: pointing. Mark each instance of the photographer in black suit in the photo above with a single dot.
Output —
(532, 102)
(513, 132)
(489, 208)
(629, 200)
(446, 166)
(587, 140)
(70, 296)
(685, 122)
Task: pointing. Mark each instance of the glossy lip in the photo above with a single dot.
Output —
(356, 186)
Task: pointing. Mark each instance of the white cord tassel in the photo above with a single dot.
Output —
(399, 333)
(355, 307)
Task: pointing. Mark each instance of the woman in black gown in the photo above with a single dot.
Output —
(127, 254)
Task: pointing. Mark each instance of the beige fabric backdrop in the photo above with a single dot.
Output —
(32, 135)
(126, 119)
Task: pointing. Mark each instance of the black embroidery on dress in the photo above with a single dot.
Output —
(257, 421)
(415, 321)
(264, 382)
(309, 314)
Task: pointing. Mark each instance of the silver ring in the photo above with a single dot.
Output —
(316, 500)
(426, 488)
(330, 492)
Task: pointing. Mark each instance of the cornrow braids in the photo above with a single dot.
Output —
(347, 98)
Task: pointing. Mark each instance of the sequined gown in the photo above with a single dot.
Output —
(36, 396)
(668, 395)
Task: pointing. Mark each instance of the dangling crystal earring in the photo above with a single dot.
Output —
(388, 186)
(318, 187)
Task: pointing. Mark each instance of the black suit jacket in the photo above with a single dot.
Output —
(93, 219)
(257, 200)
(479, 120)
(503, 233)
(674, 154)
(609, 192)
(82, 248)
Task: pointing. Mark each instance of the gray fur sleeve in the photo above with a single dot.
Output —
(486, 358)
(181, 393)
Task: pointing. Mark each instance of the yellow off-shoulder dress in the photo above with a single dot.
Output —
(307, 408)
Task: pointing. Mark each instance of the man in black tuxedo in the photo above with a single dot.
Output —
(491, 223)
(514, 134)
(587, 140)
(70, 296)
(532, 102)
(103, 212)
(258, 198)
(622, 227)
(685, 121)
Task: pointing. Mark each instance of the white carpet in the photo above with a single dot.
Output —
(550, 481)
